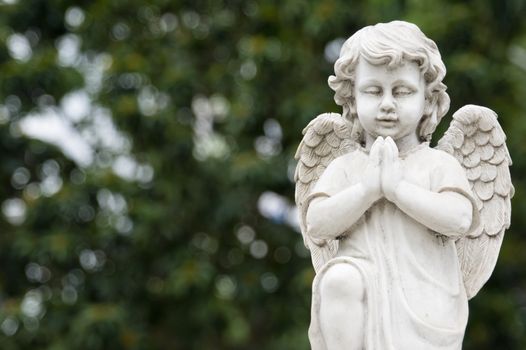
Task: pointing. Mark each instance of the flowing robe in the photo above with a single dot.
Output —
(414, 293)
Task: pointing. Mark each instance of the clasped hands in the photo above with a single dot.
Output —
(383, 172)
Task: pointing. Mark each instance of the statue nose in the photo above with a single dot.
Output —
(387, 103)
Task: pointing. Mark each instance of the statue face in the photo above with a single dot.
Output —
(389, 101)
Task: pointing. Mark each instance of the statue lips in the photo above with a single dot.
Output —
(387, 120)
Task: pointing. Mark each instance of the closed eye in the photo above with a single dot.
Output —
(403, 91)
(372, 90)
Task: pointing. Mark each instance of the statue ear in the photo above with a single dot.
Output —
(349, 113)
(349, 109)
(431, 105)
(429, 120)
(427, 126)
(352, 106)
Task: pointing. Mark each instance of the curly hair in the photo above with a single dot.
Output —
(391, 44)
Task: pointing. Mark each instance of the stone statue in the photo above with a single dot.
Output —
(401, 234)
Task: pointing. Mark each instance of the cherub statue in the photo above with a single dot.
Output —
(401, 234)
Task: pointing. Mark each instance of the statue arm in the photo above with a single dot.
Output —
(445, 208)
(329, 217)
(448, 213)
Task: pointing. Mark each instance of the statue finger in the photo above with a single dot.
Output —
(392, 146)
(376, 151)
(388, 151)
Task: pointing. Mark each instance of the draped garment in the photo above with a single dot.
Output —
(414, 294)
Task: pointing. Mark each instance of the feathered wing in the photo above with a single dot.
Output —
(477, 141)
(326, 137)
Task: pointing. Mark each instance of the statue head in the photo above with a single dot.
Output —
(392, 44)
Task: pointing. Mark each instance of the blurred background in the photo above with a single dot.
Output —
(147, 164)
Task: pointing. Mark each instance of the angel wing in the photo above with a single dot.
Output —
(477, 141)
(326, 137)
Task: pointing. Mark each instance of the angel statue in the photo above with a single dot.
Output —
(401, 235)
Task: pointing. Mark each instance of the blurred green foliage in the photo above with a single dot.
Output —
(174, 229)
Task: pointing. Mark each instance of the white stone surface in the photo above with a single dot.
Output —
(401, 235)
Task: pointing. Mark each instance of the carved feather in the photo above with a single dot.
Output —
(487, 169)
(447, 147)
(483, 190)
(326, 137)
(493, 216)
(472, 160)
(497, 136)
(323, 149)
(457, 137)
(333, 140)
(498, 155)
(312, 138)
(468, 146)
(479, 261)
(479, 202)
(343, 131)
(487, 121)
(346, 145)
(306, 174)
(481, 138)
(488, 172)
(502, 186)
(486, 151)
(320, 170)
(473, 173)
(325, 161)
(470, 129)
(507, 213)
(309, 157)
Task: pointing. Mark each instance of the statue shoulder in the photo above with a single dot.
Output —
(349, 162)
